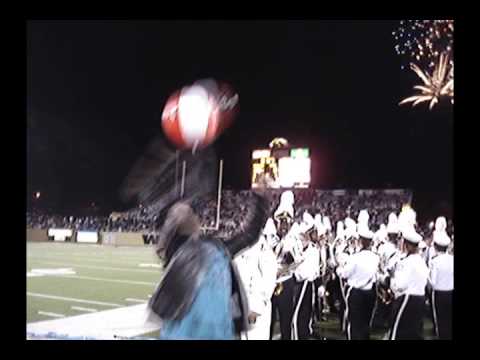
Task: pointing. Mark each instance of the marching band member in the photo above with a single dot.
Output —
(257, 267)
(330, 242)
(328, 227)
(324, 243)
(408, 283)
(440, 226)
(318, 235)
(379, 238)
(334, 285)
(389, 255)
(285, 291)
(287, 201)
(270, 232)
(330, 256)
(360, 272)
(329, 264)
(441, 281)
(305, 274)
(350, 236)
(343, 254)
(340, 233)
(363, 217)
(287, 252)
(389, 251)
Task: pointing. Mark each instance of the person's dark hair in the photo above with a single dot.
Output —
(180, 224)
(440, 248)
(366, 243)
(411, 247)
(392, 237)
(253, 224)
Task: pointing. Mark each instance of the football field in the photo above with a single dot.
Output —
(72, 286)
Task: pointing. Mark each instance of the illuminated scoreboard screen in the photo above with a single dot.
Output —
(287, 168)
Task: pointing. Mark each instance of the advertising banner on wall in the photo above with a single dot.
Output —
(87, 237)
(60, 234)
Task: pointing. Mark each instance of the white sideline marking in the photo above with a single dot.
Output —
(124, 322)
(51, 272)
(135, 300)
(79, 308)
(72, 299)
(30, 274)
(51, 314)
(150, 265)
(99, 267)
(108, 280)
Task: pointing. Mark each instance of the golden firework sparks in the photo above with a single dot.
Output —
(437, 85)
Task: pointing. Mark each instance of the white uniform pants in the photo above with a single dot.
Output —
(261, 329)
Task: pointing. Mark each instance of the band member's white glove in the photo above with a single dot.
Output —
(321, 291)
(331, 263)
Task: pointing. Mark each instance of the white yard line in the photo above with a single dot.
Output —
(54, 297)
(136, 300)
(79, 308)
(157, 266)
(107, 280)
(98, 267)
(96, 256)
(55, 315)
(134, 263)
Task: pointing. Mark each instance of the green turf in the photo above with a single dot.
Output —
(330, 329)
(101, 262)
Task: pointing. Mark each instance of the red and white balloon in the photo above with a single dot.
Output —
(196, 115)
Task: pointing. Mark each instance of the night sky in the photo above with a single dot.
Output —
(96, 90)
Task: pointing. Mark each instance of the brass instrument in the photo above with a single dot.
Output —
(286, 270)
(385, 294)
(278, 289)
(326, 277)
(295, 250)
(383, 290)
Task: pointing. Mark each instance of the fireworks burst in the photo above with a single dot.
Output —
(423, 41)
(436, 85)
(427, 46)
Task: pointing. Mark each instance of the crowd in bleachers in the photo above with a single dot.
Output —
(234, 207)
(315, 201)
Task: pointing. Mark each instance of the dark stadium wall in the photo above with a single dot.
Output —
(37, 235)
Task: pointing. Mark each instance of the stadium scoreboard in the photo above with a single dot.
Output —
(286, 168)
